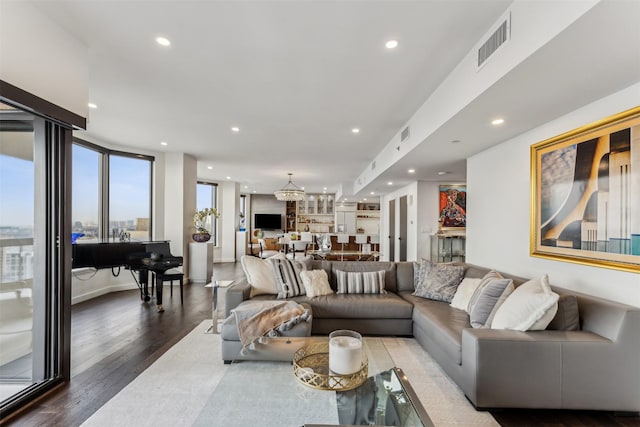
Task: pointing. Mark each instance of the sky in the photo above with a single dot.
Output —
(129, 184)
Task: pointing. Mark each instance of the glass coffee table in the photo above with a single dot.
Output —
(385, 398)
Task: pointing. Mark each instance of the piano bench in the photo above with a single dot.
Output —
(170, 275)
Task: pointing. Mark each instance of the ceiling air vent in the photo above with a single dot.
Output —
(373, 165)
(404, 135)
(497, 39)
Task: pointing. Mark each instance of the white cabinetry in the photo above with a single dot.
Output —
(346, 218)
(200, 262)
(315, 213)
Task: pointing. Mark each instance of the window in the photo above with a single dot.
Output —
(111, 194)
(207, 197)
(86, 218)
(129, 198)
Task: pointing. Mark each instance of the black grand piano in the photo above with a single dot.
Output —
(141, 257)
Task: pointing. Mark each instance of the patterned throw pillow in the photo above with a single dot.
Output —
(316, 283)
(440, 282)
(360, 282)
(287, 274)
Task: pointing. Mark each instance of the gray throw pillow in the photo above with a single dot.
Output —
(489, 300)
(287, 274)
(567, 317)
(440, 281)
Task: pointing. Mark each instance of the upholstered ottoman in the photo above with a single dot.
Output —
(266, 348)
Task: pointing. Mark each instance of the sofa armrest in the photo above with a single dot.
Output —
(236, 293)
(504, 368)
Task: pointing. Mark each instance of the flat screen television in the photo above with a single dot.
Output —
(267, 221)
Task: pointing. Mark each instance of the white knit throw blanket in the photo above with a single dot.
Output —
(267, 318)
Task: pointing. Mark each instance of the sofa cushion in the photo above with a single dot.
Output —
(530, 307)
(567, 317)
(260, 275)
(490, 299)
(360, 282)
(358, 306)
(287, 275)
(441, 322)
(440, 281)
(315, 283)
(404, 276)
(463, 294)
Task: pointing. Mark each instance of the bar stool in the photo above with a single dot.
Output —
(342, 239)
(171, 275)
(375, 240)
(361, 239)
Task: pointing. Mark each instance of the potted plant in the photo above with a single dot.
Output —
(200, 221)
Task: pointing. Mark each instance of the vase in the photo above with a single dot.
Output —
(201, 237)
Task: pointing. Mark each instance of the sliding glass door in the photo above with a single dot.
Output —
(17, 252)
(33, 264)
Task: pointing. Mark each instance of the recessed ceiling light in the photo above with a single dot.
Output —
(164, 143)
(372, 193)
(228, 177)
(389, 183)
(344, 200)
(411, 171)
(163, 41)
(391, 44)
(302, 188)
(365, 199)
(92, 105)
(209, 167)
(235, 129)
(246, 186)
(442, 173)
(255, 191)
(355, 130)
(497, 122)
(324, 188)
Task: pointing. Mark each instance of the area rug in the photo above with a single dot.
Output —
(191, 386)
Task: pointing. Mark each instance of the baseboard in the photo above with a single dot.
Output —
(103, 291)
(224, 260)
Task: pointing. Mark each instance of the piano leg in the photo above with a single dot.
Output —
(144, 284)
(159, 296)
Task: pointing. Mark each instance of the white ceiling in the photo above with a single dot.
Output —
(297, 76)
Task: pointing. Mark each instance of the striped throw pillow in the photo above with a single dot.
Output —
(360, 282)
(287, 273)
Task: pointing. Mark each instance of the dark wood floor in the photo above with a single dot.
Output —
(115, 337)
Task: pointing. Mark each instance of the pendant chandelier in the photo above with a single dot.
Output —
(289, 192)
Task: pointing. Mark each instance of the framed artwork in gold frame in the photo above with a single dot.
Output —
(585, 194)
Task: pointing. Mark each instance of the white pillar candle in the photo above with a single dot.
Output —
(345, 352)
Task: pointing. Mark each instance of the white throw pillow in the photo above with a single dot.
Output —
(463, 294)
(259, 275)
(530, 307)
(316, 283)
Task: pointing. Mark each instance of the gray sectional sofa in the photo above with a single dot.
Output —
(596, 367)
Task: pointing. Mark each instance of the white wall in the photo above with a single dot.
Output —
(38, 56)
(498, 184)
(180, 203)
(229, 204)
(428, 212)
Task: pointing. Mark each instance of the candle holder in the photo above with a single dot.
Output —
(311, 368)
